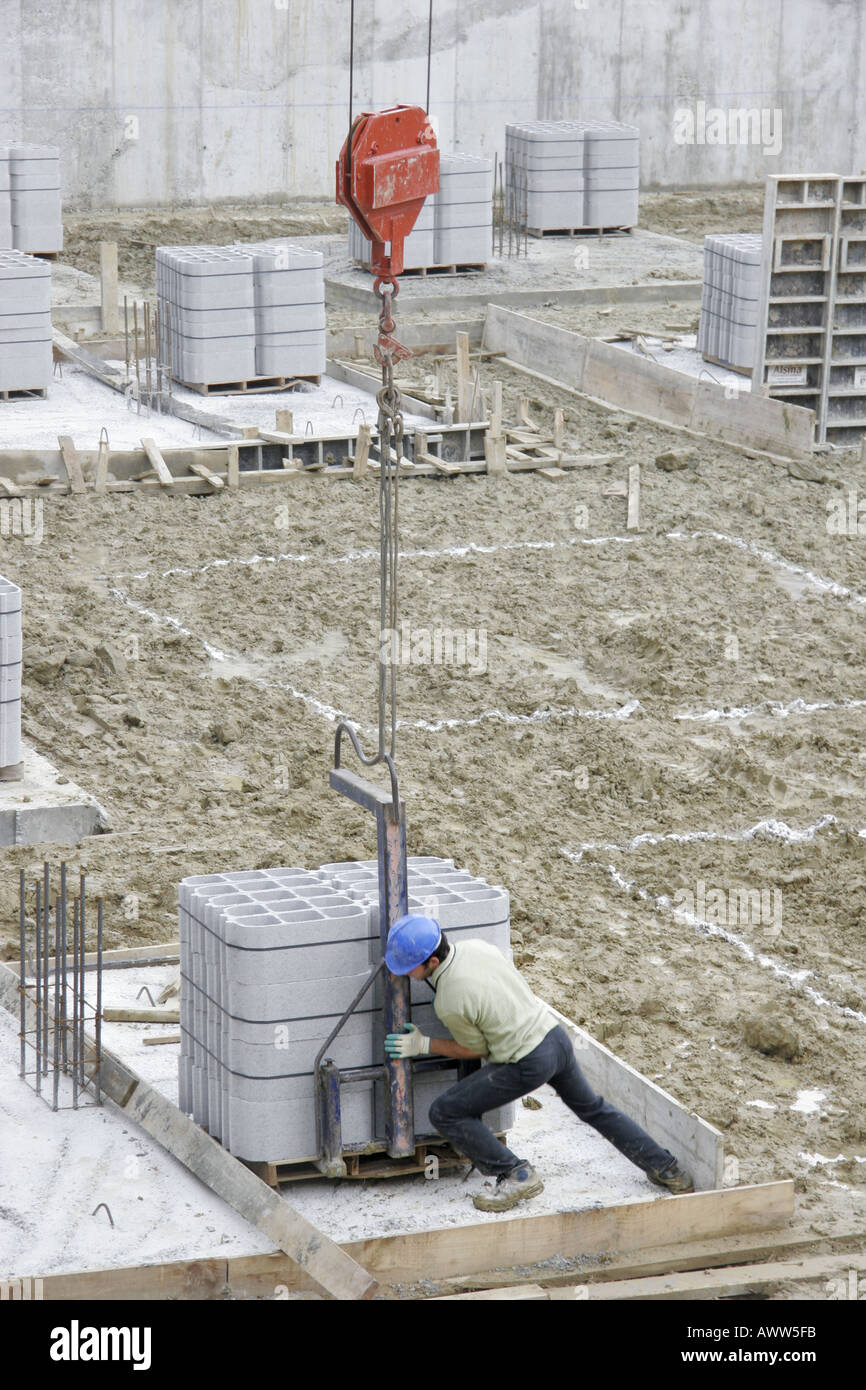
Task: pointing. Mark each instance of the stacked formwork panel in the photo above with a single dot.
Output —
(26, 357)
(10, 674)
(270, 959)
(237, 314)
(570, 175)
(455, 225)
(727, 331)
(812, 312)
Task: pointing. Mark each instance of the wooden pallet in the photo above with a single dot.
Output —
(255, 385)
(25, 393)
(421, 271)
(728, 366)
(372, 1162)
(577, 231)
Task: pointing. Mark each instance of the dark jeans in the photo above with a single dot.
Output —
(456, 1113)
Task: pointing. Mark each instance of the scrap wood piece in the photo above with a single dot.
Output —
(161, 1039)
(9, 489)
(72, 463)
(553, 475)
(158, 463)
(141, 1015)
(201, 470)
(524, 413)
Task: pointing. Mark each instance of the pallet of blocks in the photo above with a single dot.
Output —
(727, 330)
(563, 176)
(35, 222)
(270, 960)
(26, 357)
(243, 316)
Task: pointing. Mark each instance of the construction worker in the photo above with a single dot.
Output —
(492, 1013)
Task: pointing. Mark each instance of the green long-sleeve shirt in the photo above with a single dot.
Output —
(486, 1004)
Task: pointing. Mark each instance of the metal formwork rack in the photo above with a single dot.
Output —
(812, 343)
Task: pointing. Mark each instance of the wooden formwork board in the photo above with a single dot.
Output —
(427, 1257)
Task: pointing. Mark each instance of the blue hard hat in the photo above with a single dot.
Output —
(410, 941)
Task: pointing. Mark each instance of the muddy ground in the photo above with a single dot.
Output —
(705, 689)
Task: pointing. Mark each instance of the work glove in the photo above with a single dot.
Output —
(410, 1043)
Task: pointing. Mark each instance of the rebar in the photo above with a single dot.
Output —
(137, 364)
(22, 978)
(38, 986)
(126, 336)
(69, 1007)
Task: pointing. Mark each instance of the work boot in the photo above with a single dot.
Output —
(674, 1178)
(517, 1186)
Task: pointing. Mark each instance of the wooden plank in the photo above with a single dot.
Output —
(667, 1259)
(530, 1293)
(721, 1283)
(161, 1041)
(157, 462)
(553, 475)
(233, 466)
(72, 463)
(202, 471)
(141, 1015)
(362, 452)
(108, 286)
(463, 383)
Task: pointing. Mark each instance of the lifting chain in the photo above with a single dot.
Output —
(388, 351)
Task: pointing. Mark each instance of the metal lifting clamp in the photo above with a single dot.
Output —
(387, 167)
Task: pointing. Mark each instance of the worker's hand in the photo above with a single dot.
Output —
(410, 1043)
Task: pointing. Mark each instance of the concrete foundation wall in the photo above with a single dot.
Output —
(186, 101)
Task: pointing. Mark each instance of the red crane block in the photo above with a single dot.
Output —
(388, 165)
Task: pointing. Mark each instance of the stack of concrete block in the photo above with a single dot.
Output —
(10, 674)
(34, 187)
(270, 960)
(611, 164)
(207, 311)
(727, 330)
(5, 199)
(564, 175)
(289, 296)
(26, 358)
(464, 210)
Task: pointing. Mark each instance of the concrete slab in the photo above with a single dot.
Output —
(43, 807)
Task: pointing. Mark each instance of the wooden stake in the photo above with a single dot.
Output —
(524, 414)
(108, 286)
(463, 383)
(157, 462)
(558, 429)
(233, 467)
(496, 415)
(362, 452)
(72, 463)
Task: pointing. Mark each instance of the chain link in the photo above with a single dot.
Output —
(390, 425)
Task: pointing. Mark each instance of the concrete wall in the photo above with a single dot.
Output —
(184, 101)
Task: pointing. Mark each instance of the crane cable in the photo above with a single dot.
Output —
(352, 55)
